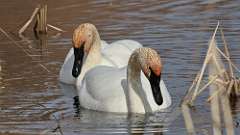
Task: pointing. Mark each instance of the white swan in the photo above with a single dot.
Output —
(89, 51)
(127, 89)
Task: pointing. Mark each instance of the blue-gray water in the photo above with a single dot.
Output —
(31, 98)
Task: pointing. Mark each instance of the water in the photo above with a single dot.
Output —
(32, 101)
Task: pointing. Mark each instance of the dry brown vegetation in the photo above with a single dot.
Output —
(222, 84)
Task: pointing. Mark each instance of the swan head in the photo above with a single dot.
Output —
(83, 38)
(150, 63)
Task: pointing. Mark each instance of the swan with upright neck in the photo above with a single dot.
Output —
(137, 88)
(89, 51)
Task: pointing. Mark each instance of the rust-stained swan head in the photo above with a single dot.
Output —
(84, 37)
(150, 63)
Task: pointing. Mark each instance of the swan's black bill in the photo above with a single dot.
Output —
(78, 61)
(155, 85)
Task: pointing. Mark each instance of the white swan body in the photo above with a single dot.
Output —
(109, 89)
(119, 51)
(104, 89)
(99, 52)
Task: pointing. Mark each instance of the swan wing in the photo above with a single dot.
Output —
(103, 90)
(65, 74)
(119, 52)
(104, 44)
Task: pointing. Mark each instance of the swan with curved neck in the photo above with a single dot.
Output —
(89, 51)
(137, 88)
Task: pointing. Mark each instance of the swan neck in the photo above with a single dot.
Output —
(96, 44)
(133, 69)
(92, 58)
(135, 99)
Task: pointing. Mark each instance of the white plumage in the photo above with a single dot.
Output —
(107, 89)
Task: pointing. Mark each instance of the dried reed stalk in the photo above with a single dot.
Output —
(189, 91)
(42, 20)
(215, 67)
(188, 119)
(214, 93)
(233, 65)
(213, 79)
(40, 13)
(55, 28)
(227, 114)
(35, 12)
(218, 80)
(215, 111)
(227, 52)
(229, 90)
(200, 78)
(40, 27)
(208, 57)
(236, 87)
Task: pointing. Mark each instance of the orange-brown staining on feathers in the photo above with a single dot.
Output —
(78, 37)
(155, 63)
(150, 59)
(83, 35)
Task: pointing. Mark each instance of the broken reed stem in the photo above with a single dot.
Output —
(215, 93)
(200, 77)
(209, 55)
(227, 52)
(29, 21)
(229, 90)
(215, 89)
(217, 65)
(40, 13)
(208, 84)
(218, 82)
(55, 28)
(236, 68)
(188, 92)
(213, 37)
(236, 87)
(188, 119)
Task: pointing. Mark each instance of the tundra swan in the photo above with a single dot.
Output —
(136, 88)
(89, 51)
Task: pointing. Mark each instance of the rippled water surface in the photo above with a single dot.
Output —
(32, 101)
